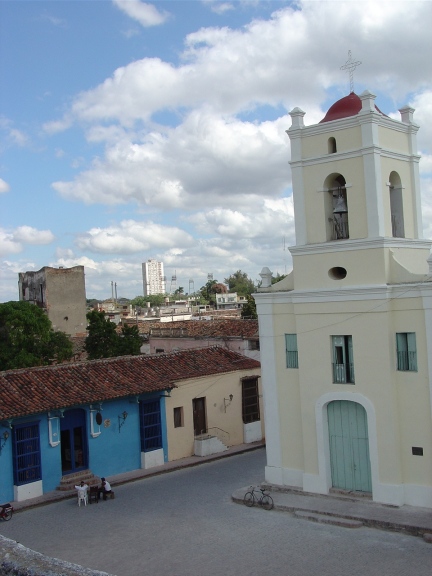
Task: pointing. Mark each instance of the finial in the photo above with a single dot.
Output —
(350, 65)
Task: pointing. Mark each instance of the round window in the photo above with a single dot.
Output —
(337, 273)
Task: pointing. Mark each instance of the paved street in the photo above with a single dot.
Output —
(185, 523)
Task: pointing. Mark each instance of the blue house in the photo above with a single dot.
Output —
(102, 416)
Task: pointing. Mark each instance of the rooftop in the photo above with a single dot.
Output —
(41, 389)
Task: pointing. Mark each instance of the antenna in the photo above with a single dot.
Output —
(350, 65)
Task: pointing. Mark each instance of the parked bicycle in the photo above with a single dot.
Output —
(263, 499)
(6, 511)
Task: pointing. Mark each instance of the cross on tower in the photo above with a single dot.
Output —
(350, 65)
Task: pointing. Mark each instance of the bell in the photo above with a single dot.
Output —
(341, 207)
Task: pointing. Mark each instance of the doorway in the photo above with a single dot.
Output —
(349, 446)
(73, 441)
(199, 416)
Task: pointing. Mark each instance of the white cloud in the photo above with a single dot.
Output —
(273, 62)
(146, 14)
(130, 237)
(220, 7)
(4, 186)
(11, 242)
(204, 160)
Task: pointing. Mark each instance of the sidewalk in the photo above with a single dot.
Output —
(346, 511)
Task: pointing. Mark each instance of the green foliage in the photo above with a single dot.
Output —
(208, 291)
(180, 290)
(249, 310)
(241, 283)
(277, 278)
(103, 341)
(130, 340)
(27, 338)
(154, 299)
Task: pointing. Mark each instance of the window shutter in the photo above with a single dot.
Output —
(291, 350)
(412, 351)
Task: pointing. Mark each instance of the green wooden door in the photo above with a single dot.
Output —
(349, 446)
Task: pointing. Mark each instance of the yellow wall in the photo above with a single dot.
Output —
(214, 388)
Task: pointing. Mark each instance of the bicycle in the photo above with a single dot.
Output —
(265, 500)
(6, 511)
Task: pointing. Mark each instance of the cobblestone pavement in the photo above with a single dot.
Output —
(186, 522)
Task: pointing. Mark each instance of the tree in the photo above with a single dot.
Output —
(130, 340)
(277, 278)
(241, 283)
(103, 341)
(249, 310)
(154, 299)
(211, 288)
(28, 339)
(180, 290)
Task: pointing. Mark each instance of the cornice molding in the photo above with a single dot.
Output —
(360, 244)
(349, 294)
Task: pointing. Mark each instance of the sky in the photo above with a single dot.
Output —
(132, 130)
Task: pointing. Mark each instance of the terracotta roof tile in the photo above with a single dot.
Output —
(35, 390)
(228, 328)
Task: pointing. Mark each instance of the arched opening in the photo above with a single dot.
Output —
(331, 143)
(336, 208)
(349, 446)
(396, 206)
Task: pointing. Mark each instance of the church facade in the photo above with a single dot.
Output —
(346, 337)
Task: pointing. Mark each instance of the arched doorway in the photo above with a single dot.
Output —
(349, 446)
(73, 433)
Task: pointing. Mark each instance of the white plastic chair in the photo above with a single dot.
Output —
(82, 496)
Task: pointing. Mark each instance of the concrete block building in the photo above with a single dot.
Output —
(61, 293)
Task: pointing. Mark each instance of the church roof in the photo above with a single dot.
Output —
(344, 108)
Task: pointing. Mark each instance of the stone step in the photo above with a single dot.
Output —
(326, 519)
(69, 481)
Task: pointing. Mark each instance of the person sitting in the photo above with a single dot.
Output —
(105, 488)
(82, 493)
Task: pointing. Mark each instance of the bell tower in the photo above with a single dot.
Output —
(356, 191)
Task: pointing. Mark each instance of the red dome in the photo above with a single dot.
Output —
(345, 107)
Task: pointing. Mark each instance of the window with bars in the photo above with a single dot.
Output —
(343, 360)
(178, 417)
(250, 400)
(291, 350)
(26, 453)
(406, 351)
(150, 425)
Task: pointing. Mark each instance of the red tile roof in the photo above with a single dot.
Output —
(34, 390)
(229, 328)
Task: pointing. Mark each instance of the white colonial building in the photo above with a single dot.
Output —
(346, 337)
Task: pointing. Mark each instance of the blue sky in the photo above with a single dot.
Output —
(133, 130)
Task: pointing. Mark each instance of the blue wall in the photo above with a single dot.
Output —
(115, 450)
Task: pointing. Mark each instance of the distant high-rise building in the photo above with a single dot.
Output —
(154, 281)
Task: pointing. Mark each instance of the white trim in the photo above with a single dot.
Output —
(353, 293)
(27, 491)
(54, 430)
(359, 244)
(269, 385)
(95, 429)
(427, 307)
